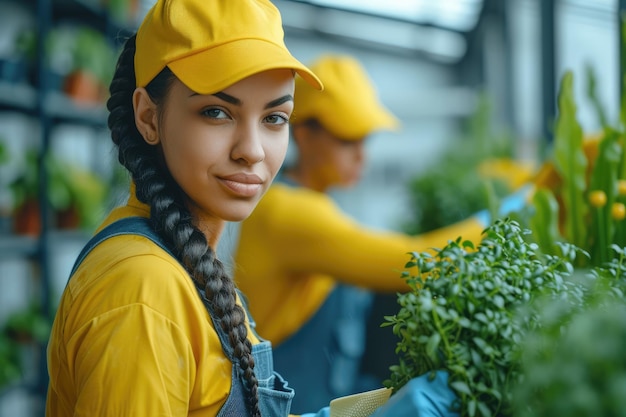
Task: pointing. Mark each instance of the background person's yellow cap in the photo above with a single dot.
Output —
(212, 44)
(348, 107)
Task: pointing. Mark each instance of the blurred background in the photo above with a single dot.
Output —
(474, 83)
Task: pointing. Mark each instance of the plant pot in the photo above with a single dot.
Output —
(27, 219)
(68, 218)
(83, 87)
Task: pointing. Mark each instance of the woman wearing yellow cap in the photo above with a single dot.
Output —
(149, 323)
(297, 250)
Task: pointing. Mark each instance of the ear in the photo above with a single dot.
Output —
(145, 116)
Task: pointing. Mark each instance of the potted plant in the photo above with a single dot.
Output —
(10, 367)
(4, 211)
(574, 363)
(21, 339)
(581, 190)
(25, 190)
(507, 319)
(29, 325)
(75, 194)
(91, 71)
(460, 315)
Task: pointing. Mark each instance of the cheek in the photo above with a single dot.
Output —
(275, 152)
(190, 152)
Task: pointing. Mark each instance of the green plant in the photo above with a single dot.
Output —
(10, 369)
(73, 187)
(93, 53)
(587, 205)
(460, 313)
(456, 188)
(574, 363)
(4, 153)
(22, 327)
(29, 325)
(69, 187)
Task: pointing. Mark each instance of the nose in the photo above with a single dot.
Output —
(248, 146)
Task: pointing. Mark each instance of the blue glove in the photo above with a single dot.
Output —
(421, 397)
(324, 412)
(509, 204)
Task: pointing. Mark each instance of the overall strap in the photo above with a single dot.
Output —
(235, 405)
(129, 225)
(141, 226)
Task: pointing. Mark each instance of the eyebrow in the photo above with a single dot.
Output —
(234, 100)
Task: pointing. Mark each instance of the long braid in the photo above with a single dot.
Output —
(169, 215)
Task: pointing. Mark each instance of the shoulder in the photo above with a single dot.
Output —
(131, 270)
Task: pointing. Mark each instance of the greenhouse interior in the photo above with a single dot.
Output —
(492, 97)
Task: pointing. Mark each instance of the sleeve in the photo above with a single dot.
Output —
(313, 235)
(131, 361)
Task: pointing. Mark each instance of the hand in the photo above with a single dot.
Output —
(511, 203)
(421, 397)
(324, 412)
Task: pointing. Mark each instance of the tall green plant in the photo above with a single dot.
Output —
(571, 162)
(591, 194)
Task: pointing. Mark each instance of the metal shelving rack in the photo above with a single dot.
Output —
(49, 108)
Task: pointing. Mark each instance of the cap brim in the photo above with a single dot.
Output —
(360, 120)
(215, 69)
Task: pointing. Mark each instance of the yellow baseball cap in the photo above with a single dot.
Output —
(349, 106)
(212, 44)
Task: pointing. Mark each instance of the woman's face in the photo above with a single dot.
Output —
(225, 149)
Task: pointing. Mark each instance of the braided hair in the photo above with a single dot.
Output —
(169, 215)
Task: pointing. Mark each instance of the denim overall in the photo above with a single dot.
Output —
(334, 342)
(274, 395)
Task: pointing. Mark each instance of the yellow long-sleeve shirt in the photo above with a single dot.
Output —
(132, 337)
(297, 245)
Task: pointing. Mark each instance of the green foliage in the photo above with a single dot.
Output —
(589, 225)
(604, 177)
(10, 368)
(68, 186)
(22, 327)
(460, 313)
(4, 153)
(93, 53)
(574, 363)
(453, 190)
(571, 162)
(545, 220)
(28, 324)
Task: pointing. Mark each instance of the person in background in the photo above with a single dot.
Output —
(150, 323)
(306, 267)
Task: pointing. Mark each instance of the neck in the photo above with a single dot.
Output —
(306, 179)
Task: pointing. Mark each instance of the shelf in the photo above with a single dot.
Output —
(13, 246)
(18, 97)
(91, 13)
(57, 105)
(61, 107)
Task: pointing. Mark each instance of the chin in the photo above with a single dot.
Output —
(239, 212)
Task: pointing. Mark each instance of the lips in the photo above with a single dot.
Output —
(243, 185)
